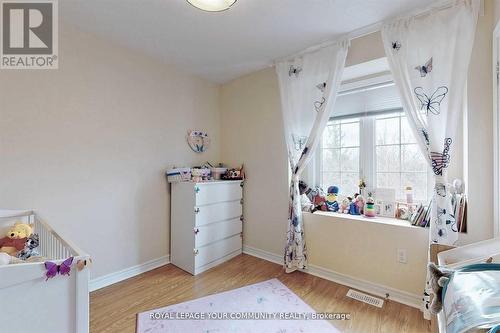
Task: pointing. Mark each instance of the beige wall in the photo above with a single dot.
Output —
(479, 143)
(496, 5)
(87, 146)
(368, 251)
(252, 134)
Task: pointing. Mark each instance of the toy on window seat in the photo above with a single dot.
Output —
(360, 203)
(370, 207)
(345, 205)
(318, 199)
(15, 238)
(305, 202)
(353, 207)
(331, 199)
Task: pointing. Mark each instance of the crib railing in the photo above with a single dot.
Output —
(52, 246)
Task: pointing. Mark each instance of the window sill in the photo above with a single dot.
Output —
(377, 219)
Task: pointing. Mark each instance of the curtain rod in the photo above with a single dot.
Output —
(372, 28)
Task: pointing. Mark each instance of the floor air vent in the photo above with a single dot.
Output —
(368, 299)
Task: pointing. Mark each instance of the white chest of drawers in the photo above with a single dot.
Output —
(206, 224)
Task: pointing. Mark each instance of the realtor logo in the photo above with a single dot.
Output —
(29, 34)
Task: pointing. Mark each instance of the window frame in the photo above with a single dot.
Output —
(367, 153)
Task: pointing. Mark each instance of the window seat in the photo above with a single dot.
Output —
(377, 219)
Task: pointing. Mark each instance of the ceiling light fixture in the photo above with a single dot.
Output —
(212, 5)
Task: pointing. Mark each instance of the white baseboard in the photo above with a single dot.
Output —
(127, 273)
(376, 289)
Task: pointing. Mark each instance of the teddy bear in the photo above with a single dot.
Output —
(15, 238)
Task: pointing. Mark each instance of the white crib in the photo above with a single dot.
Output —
(30, 304)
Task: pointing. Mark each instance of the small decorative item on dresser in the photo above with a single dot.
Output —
(200, 174)
(179, 175)
(218, 172)
(234, 174)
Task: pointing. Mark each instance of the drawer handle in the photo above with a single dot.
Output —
(196, 231)
(241, 201)
(241, 184)
(241, 218)
(196, 210)
(196, 189)
(195, 251)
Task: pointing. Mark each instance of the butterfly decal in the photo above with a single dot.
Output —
(321, 86)
(396, 45)
(294, 71)
(63, 269)
(441, 161)
(425, 69)
(441, 233)
(448, 219)
(431, 103)
(319, 104)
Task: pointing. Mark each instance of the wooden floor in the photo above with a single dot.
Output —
(114, 309)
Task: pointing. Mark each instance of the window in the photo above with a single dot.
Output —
(370, 138)
(340, 151)
(399, 162)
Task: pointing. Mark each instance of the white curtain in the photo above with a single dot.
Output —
(308, 87)
(429, 57)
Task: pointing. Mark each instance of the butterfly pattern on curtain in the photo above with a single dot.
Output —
(308, 86)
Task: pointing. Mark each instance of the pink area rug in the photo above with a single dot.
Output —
(266, 307)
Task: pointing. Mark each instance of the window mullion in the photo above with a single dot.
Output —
(367, 150)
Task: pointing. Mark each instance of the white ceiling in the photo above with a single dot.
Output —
(222, 46)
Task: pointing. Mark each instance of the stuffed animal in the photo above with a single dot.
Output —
(15, 238)
(331, 199)
(344, 206)
(305, 200)
(30, 248)
(306, 204)
(353, 208)
(234, 174)
(438, 278)
(318, 199)
(360, 204)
